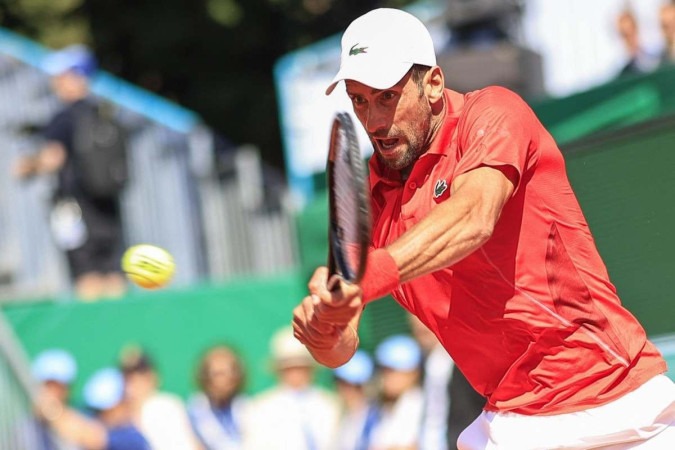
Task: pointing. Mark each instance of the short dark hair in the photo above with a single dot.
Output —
(135, 359)
(417, 72)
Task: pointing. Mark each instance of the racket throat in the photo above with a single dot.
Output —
(339, 256)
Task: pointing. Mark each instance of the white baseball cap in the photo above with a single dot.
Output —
(381, 46)
(288, 352)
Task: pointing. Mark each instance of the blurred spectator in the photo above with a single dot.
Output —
(110, 428)
(436, 373)
(399, 360)
(667, 19)
(359, 412)
(162, 416)
(104, 395)
(85, 224)
(295, 414)
(639, 59)
(55, 370)
(217, 411)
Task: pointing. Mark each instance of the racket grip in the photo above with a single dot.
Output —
(381, 277)
(334, 283)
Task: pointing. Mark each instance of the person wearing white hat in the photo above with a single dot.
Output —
(295, 413)
(477, 231)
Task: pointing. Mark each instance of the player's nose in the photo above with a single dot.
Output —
(376, 122)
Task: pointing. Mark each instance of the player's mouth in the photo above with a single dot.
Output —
(387, 145)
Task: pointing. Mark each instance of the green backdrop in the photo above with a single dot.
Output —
(626, 185)
(174, 325)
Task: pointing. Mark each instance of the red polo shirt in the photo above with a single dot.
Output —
(531, 317)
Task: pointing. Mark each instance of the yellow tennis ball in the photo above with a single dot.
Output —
(148, 266)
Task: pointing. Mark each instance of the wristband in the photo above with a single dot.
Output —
(381, 275)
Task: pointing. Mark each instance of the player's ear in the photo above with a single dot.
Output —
(434, 84)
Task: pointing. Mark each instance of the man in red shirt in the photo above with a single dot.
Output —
(477, 231)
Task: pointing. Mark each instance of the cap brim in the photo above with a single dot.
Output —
(331, 87)
(376, 76)
(291, 362)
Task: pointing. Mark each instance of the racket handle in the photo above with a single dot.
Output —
(334, 282)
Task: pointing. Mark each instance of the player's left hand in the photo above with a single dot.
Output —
(322, 316)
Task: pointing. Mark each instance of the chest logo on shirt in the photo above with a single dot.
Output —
(440, 187)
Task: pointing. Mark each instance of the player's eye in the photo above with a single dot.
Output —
(357, 99)
(388, 96)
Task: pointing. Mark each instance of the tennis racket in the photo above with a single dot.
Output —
(348, 203)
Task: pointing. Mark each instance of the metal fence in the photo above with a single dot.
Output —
(211, 208)
(19, 429)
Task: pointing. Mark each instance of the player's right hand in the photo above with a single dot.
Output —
(310, 329)
(337, 306)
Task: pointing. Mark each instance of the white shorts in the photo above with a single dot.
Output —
(642, 419)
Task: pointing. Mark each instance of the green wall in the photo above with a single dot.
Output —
(626, 186)
(175, 326)
(609, 107)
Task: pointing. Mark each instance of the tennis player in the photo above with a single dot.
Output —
(477, 231)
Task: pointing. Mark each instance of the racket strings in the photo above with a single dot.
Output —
(347, 187)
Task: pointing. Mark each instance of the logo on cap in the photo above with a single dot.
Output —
(355, 51)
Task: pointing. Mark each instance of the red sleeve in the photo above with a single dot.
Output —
(498, 130)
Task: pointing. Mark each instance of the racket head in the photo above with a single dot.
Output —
(348, 200)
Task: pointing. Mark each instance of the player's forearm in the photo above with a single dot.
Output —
(455, 228)
(448, 234)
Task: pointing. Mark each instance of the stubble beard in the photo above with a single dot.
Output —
(415, 145)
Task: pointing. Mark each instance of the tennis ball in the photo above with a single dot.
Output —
(148, 266)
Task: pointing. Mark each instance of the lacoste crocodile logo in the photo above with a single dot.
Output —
(357, 50)
(440, 187)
